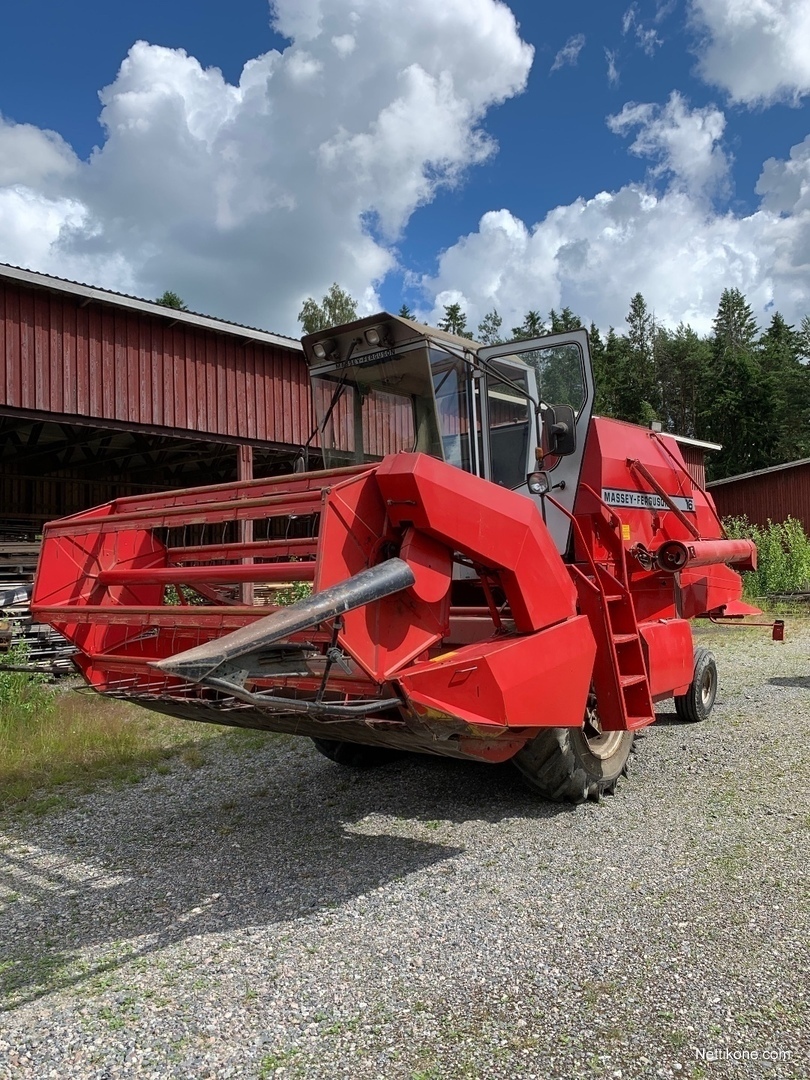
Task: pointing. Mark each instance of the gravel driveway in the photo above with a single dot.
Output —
(270, 914)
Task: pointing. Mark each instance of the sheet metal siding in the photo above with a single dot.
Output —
(108, 363)
(775, 496)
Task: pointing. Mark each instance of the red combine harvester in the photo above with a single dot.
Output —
(481, 574)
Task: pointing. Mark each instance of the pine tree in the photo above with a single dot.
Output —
(531, 327)
(172, 300)
(601, 377)
(803, 340)
(405, 312)
(455, 321)
(564, 321)
(613, 361)
(735, 404)
(681, 359)
(788, 386)
(636, 396)
(489, 329)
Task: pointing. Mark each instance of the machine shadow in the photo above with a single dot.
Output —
(243, 856)
(665, 716)
(800, 682)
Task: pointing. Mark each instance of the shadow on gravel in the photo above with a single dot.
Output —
(220, 851)
(666, 717)
(802, 682)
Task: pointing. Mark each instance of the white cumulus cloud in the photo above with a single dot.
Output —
(680, 141)
(756, 50)
(245, 198)
(30, 156)
(594, 254)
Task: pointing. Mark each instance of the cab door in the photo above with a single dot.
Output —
(563, 375)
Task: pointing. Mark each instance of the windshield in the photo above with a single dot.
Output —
(376, 406)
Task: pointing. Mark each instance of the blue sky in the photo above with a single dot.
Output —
(529, 155)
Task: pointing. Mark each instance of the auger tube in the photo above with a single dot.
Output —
(201, 662)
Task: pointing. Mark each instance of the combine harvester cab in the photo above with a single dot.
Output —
(479, 573)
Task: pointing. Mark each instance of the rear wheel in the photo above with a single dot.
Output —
(354, 755)
(575, 764)
(697, 702)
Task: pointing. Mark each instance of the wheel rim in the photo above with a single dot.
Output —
(707, 688)
(605, 745)
(602, 744)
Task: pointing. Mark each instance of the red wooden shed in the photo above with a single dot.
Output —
(103, 394)
(767, 494)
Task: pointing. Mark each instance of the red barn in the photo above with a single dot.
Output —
(103, 395)
(768, 494)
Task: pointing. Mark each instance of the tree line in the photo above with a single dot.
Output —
(745, 388)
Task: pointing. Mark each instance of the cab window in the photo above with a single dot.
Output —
(509, 412)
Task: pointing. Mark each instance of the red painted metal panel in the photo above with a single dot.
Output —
(495, 683)
(669, 658)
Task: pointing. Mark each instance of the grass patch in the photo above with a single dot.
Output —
(52, 737)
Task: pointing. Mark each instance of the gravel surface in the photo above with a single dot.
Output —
(270, 914)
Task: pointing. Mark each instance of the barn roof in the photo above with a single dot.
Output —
(760, 472)
(149, 307)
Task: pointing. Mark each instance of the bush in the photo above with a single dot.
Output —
(783, 556)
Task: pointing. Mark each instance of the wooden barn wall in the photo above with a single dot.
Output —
(773, 496)
(115, 364)
(694, 457)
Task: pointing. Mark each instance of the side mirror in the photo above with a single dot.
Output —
(560, 423)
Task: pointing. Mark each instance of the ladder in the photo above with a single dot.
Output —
(620, 679)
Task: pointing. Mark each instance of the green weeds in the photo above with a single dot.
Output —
(51, 737)
(783, 555)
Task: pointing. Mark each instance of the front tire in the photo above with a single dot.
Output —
(698, 701)
(575, 764)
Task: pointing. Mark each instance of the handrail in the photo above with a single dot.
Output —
(638, 466)
(710, 503)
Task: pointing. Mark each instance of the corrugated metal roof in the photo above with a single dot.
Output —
(135, 303)
(759, 472)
